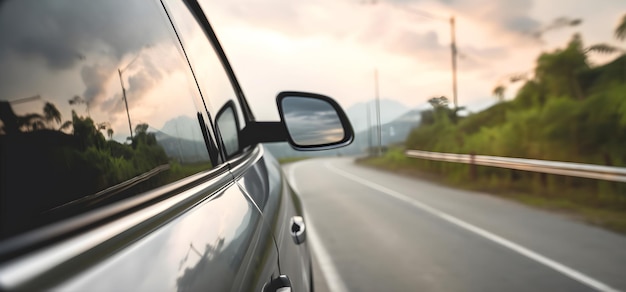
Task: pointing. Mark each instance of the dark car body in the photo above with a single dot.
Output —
(131, 160)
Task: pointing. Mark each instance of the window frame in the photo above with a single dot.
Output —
(201, 19)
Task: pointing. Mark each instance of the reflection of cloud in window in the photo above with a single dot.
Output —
(71, 31)
(78, 53)
(318, 136)
(311, 121)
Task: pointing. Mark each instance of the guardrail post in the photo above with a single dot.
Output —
(472, 169)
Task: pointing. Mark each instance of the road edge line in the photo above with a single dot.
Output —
(565, 270)
(324, 260)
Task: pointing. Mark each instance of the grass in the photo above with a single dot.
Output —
(608, 212)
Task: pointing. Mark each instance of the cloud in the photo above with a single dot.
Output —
(95, 77)
(512, 15)
(144, 79)
(137, 83)
(424, 46)
(483, 26)
(84, 42)
(62, 38)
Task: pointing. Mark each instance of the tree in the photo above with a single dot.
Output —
(65, 125)
(142, 136)
(499, 92)
(620, 34)
(50, 113)
(439, 102)
(79, 100)
(110, 133)
(141, 129)
(620, 30)
(86, 132)
(440, 109)
(559, 70)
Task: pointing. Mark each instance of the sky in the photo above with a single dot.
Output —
(333, 47)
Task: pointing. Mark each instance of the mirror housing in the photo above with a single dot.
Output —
(313, 121)
(309, 122)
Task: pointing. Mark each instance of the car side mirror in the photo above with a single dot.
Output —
(313, 121)
(308, 121)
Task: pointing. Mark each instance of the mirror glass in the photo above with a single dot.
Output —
(311, 121)
(227, 125)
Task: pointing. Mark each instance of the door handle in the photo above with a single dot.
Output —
(298, 229)
(280, 284)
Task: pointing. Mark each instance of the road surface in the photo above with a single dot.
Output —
(375, 231)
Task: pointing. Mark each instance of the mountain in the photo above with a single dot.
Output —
(183, 150)
(181, 136)
(393, 132)
(183, 127)
(398, 130)
(389, 110)
(182, 139)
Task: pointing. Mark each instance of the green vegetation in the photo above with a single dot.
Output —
(569, 110)
(110, 162)
(570, 196)
(70, 161)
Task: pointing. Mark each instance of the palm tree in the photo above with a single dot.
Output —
(603, 49)
(79, 100)
(50, 113)
(620, 35)
(620, 30)
(65, 125)
(499, 92)
(110, 133)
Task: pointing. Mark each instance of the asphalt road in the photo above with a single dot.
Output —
(375, 231)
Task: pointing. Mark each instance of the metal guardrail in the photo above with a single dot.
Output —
(106, 193)
(609, 173)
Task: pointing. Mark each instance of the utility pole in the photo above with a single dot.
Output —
(130, 127)
(454, 55)
(378, 126)
(428, 15)
(120, 71)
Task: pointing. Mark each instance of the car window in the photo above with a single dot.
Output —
(97, 104)
(213, 81)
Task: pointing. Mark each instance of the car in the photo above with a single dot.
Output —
(131, 160)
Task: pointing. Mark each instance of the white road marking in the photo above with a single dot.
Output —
(567, 271)
(324, 260)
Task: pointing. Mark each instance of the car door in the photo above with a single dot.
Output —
(258, 173)
(225, 102)
(153, 207)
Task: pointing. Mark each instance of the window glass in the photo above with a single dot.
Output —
(213, 80)
(97, 103)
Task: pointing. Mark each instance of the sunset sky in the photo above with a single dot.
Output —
(330, 47)
(333, 46)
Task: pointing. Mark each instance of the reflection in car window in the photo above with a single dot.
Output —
(97, 103)
(213, 81)
(227, 126)
(312, 121)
